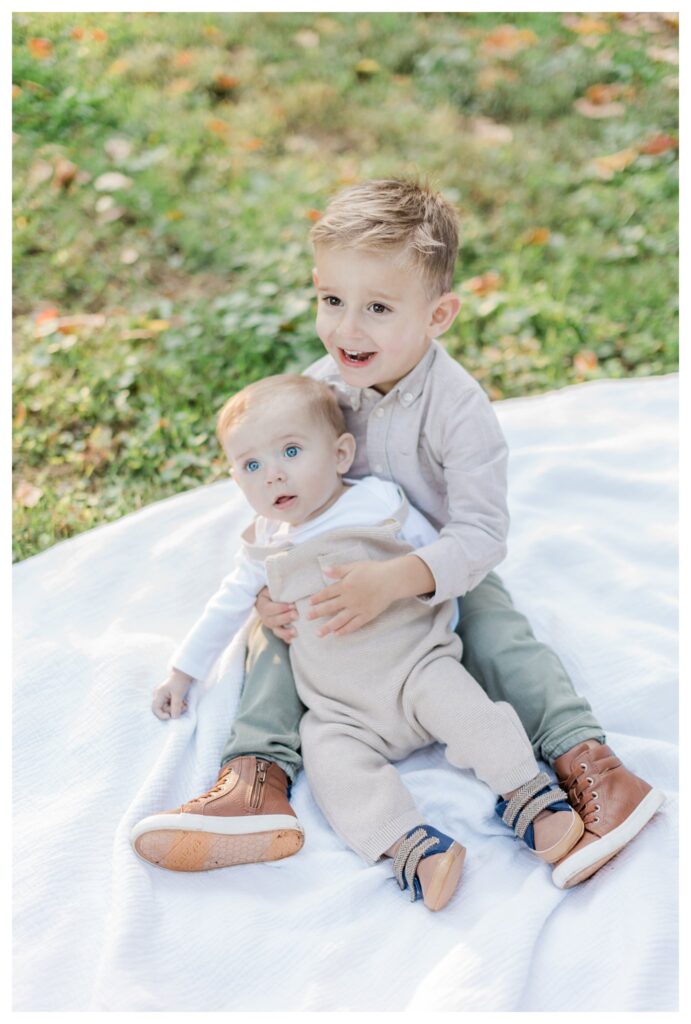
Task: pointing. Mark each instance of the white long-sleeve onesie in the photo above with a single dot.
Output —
(366, 502)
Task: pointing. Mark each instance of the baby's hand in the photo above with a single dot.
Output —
(276, 616)
(169, 698)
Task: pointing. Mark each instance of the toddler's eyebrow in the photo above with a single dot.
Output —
(293, 436)
(378, 295)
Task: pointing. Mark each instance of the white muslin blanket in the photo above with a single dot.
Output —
(593, 564)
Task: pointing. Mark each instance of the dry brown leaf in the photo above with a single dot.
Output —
(41, 49)
(183, 59)
(112, 181)
(483, 284)
(659, 144)
(16, 91)
(505, 41)
(607, 166)
(313, 215)
(537, 236)
(584, 362)
(663, 54)
(118, 149)
(367, 67)
(217, 126)
(27, 495)
(20, 415)
(599, 110)
(98, 35)
(65, 173)
(585, 25)
(119, 66)
(251, 144)
(77, 32)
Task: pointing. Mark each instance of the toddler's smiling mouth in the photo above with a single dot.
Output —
(350, 357)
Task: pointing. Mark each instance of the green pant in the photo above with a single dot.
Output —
(499, 650)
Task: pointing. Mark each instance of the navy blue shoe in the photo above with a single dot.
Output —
(425, 841)
(537, 795)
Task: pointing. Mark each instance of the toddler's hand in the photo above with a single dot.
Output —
(276, 616)
(169, 697)
(360, 594)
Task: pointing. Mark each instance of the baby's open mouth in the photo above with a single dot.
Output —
(284, 500)
(353, 358)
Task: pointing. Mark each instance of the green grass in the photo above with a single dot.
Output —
(238, 127)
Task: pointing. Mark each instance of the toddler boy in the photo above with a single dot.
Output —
(394, 685)
(384, 261)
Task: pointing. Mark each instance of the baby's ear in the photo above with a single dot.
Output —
(345, 453)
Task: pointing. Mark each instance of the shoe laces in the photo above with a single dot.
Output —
(219, 785)
(579, 785)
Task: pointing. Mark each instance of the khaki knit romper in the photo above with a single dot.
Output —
(376, 695)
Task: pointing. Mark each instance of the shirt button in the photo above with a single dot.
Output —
(379, 413)
(407, 398)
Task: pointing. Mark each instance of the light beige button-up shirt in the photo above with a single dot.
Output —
(436, 435)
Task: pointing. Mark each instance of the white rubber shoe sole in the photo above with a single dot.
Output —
(201, 842)
(581, 865)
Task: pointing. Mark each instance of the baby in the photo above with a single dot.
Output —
(374, 696)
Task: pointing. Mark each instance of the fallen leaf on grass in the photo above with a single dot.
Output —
(65, 173)
(599, 110)
(118, 149)
(27, 495)
(46, 322)
(217, 126)
(98, 35)
(183, 59)
(366, 68)
(20, 415)
(314, 215)
(602, 93)
(16, 91)
(536, 236)
(505, 41)
(112, 181)
(659, 144)
(119, 66)
(584, 362)
(483, 284)
(77, 32)
(607, 166)
(585, 25)
(663, 54)
(41, 49)
(251, 144)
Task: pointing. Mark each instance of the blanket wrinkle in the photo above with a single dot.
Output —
(592, 562)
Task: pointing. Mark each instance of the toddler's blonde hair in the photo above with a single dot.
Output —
(311, 395)
(395, 215)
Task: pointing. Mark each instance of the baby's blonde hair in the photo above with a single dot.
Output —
(312, 396)
(387, 215)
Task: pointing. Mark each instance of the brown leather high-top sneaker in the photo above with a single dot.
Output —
(245, 818)
(613, 803)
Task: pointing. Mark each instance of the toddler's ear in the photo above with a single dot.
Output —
(445, 312)
(315, 278)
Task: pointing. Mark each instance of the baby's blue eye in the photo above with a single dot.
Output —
(291, 450)
(252, 465)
